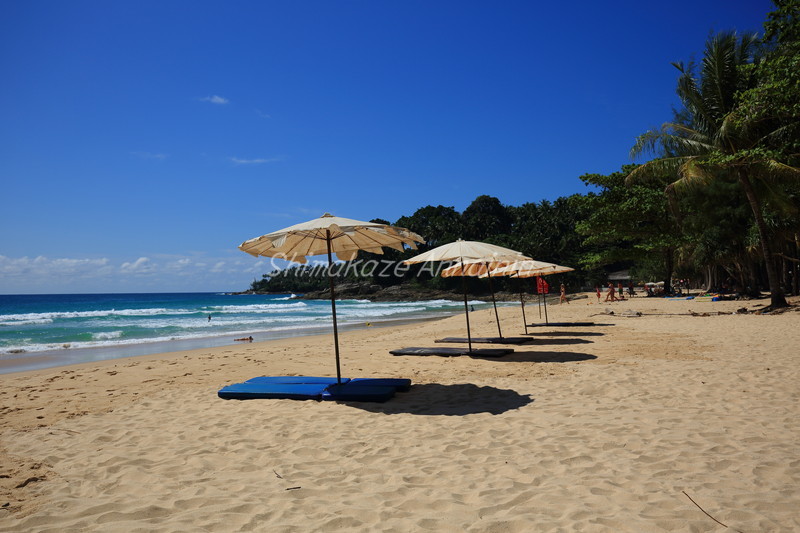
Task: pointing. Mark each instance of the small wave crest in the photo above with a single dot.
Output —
(106, 335)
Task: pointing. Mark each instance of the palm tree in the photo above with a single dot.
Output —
(709, 141)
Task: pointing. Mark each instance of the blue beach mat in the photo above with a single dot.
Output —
(315, 388)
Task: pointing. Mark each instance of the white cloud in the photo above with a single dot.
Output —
(261, 161)
(140, 266)
(20, 275)
(159, 273)
(219, 100)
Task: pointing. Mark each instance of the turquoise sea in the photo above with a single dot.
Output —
(40, 331)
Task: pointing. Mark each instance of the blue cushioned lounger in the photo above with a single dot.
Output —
(276, 391)
(315, 388)
(347, 392)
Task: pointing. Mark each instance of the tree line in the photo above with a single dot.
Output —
(718, 200)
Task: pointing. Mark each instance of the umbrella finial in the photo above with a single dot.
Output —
(326, 215)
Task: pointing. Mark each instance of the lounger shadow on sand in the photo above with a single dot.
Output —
(453, 352)
(486, 340)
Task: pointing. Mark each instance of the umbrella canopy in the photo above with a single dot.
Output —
(328, 235)
(473, 258)
(469, 252)
(345, 236)
(529, 269)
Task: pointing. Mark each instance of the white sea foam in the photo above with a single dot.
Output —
(92, 314)
(105, 335)
(24, 322)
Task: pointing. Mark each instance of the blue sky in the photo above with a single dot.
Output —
(142, 141)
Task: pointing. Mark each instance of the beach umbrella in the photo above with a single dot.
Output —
(330, 235)
(469, 256)
(528, 269)
(476, 268)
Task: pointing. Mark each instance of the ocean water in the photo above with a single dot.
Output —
(39, 331)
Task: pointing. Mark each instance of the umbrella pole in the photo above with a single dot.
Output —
(539, 293)
(466, 307)
(544, 295)
(333, 308)
(491, 289)
(522, 303)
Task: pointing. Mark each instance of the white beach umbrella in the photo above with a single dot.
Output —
(470, 258)
(328, 235)
(529, 269)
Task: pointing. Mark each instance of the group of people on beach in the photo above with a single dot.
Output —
(615, 294)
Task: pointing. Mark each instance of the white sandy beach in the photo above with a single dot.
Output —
(610, 427)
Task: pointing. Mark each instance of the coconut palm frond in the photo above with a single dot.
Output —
(719, 71)
(665, 167)
(692, 98)
(787, 132)
(730, 133)
(686, 131)
(771, 171)
(692, 174)
(647, 143)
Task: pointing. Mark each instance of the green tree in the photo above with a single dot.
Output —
(486, 219)
(437, 225)
(629, 223)
(708, 141)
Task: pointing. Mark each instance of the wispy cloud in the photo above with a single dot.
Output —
(149, 155)
(56, 268)
(262, 114)
(159, 272)
(215, 99)
(140, 266)
(259, 161)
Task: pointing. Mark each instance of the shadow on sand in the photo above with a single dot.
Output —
(433, 399)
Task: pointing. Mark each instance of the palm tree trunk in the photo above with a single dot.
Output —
(776, 294)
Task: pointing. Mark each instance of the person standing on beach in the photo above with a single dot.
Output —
(597, 290)
(610, 293)
(563, 294)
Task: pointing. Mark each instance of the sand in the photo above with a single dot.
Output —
(610, 427)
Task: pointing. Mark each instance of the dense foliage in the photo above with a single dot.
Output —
(718, 203)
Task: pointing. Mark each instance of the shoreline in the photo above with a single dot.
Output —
(601, 427)
(30, 361)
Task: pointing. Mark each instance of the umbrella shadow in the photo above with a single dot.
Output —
(544, 357)
(434, 399)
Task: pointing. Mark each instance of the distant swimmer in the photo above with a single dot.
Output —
(245, 339)
(209, 318)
